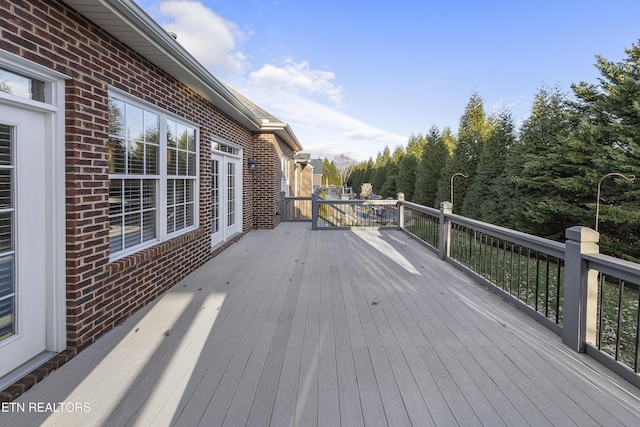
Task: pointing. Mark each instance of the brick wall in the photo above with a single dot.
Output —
(268, 149)
(101, 294)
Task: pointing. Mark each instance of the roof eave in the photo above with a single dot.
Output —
(143, 34)
(284, 131)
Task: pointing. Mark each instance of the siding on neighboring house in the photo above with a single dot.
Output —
(101, 293)
(304, 180)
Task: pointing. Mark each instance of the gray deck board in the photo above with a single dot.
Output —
(293, 327)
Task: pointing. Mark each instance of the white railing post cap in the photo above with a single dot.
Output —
(446, 206)
(582, 234)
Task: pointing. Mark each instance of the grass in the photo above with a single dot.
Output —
(618, 303)
(531, 276)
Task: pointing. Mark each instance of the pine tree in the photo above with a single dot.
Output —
(611, 123)
(389, 187)
(361, 174)
(473, 131)
(407, 170)
(535, 163)
(379, 176)
(489, 191)
(330, 173)
(434, 157)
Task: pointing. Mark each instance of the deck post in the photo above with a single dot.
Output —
(400, 211)
(580, 289)
(314, 211)
(446, 208)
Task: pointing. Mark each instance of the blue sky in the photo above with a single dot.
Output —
(353, 76)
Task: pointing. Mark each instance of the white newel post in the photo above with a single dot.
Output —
(400, 211)
(580, 289)
(446, 208)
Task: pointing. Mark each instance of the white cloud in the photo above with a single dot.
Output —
(212, 40)
(306, 98)
(298, 77)
(322, 130)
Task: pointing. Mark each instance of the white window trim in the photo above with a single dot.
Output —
(55, 239)
(285, 178)
(162, 177)
(239, 190)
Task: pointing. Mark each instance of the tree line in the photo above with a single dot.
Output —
(540, 177)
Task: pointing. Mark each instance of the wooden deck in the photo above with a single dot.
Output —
(303, 328)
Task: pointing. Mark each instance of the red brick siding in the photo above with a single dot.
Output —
(101, 294)
(267, 151)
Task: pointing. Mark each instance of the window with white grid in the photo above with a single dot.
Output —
(153, 172)
(215, 196)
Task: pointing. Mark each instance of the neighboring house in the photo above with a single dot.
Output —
(303, 175)
(124, 166)
(317, 172)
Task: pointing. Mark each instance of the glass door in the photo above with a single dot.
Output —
(23, 279)
(226, 196)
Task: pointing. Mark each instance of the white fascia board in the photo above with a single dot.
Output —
(139, 31)
(284, 131)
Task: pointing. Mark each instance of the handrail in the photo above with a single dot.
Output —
(612, 266)
(550, 247)
(420, 208)
(350, 216)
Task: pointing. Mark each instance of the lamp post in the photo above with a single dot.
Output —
(628, 178)
(453, 176)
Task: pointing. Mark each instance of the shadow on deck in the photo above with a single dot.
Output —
(296, 327)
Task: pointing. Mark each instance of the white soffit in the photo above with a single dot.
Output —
(126, 21)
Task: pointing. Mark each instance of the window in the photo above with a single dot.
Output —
(7, 250)
(181, 173)
(24, 87)
(215, 196)
(153, 172)
(284, 180)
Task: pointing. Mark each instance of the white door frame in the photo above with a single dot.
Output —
(54, 239)
(225, 231)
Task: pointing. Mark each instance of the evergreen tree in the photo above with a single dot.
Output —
(407, 170)
(389, 187)
(473, 131)
(330, 174)
(380, 170)
(611, 124)
(490, 188)
(536, 162)
(435, 155)
(363, 173)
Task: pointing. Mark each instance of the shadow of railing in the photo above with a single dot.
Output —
(592, 301)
